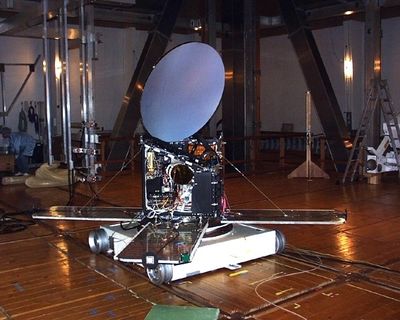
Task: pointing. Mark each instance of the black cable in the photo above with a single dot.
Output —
(303, 252)
(71, 186)
(358, 275)
(169, 239)
(10, 224)
(130, 226)
(95, 195)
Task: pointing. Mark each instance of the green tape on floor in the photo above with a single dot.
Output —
(161, 312)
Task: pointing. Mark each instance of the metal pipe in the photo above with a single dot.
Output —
(88, 113)
(23, 85)
(46, 59)
(20, 64)
(67, 97)
(90, 56)
(62, 84)
(83, 70)
(3, 99)
(308, 134)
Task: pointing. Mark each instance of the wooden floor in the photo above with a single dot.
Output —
(326, 272)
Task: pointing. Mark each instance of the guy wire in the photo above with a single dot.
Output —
(255, 186)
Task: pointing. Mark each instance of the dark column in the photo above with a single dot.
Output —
(154, 48)
(317, 81)
(238, 53)
(372, 71)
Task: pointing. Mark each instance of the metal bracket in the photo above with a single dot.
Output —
(89, 151)
(2, 70)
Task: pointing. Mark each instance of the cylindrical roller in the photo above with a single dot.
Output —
(99, 241)
(280, 241)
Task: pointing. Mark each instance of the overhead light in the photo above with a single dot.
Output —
(348, 12)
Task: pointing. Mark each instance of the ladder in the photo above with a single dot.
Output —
(378, 96)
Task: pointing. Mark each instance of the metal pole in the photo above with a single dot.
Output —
(46, 60)
(61, 51)
(64, 40)
(83, 70)
(308, 134)
(372, 63)
(31, 70)
(3, 99)
(87, 52)
(83, 59)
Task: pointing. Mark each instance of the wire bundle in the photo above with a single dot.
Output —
(10, 224)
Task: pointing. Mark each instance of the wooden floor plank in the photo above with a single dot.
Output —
(110, 305)
(273, 278)
(46, 275)
(343, 302)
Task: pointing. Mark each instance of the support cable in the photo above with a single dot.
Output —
(255, 187)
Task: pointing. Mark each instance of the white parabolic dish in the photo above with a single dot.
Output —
(182, 92)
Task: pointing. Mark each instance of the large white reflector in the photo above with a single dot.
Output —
(182, 92)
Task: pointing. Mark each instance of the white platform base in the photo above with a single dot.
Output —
(243, 243)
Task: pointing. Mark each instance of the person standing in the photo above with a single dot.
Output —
(22, 145)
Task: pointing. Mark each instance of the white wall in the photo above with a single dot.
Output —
(118, 54)
(391, 57)
(283, 86)
(282, 83)
(17, 50)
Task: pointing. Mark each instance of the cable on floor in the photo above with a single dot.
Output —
(274, 277)
(10, 224)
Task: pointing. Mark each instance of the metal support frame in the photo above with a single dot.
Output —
(65, 85)
(239, 55)
(87, 56)
(317, 81)
(379, 100)
(129, 114)
(31, 67)
(47, 94)
(3, 98)
(29, 14)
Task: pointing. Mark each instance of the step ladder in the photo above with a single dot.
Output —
(378, 96)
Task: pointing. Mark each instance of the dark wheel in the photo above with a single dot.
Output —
(98, 241)
(162, 273)
(280, 241)
(371, 164)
